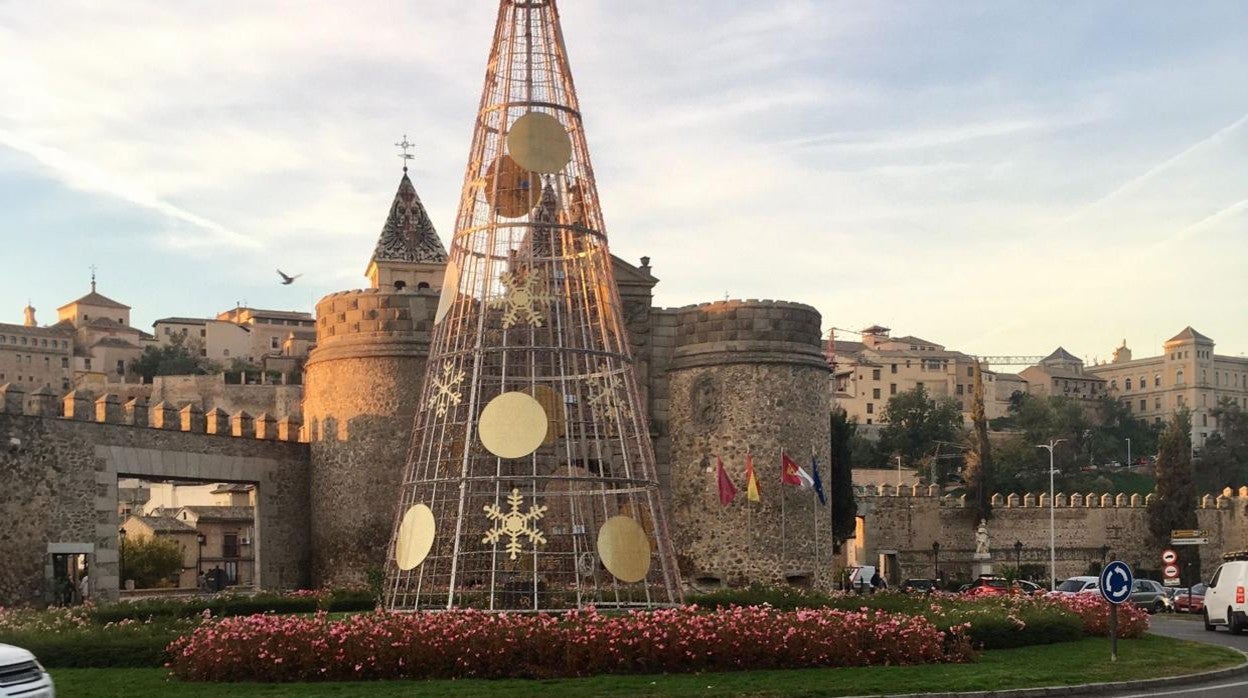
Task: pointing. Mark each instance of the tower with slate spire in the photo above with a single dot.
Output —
(361, 386)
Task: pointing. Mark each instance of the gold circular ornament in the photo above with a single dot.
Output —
(539, 143)
(624, 548)
(450, 289)
(512, 425)
(415, 537)
(511, 189)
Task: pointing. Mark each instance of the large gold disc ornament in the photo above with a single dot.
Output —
(513, 425)
(415, 537)
(450, 289)
(624, 548)
(511, 189)
(539, 143)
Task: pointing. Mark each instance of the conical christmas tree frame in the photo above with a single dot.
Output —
(531, 482)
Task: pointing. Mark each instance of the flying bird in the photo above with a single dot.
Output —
(287, 280)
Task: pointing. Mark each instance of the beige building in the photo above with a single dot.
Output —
(104, 343)
(136, 527)
(268, 330)
(32, 356)
(870, 372)
(1062, 373)
(1187, 374)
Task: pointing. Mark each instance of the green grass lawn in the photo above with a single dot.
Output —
(1085, 661)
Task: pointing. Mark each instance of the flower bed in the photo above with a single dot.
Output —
(462, 644)
(1093, 611)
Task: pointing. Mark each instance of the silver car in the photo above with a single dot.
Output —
(22, 675)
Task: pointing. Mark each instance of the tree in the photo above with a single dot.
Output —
(979, 454)
(916, 422)
(1174, 499)
(149, 561)
(1223, 461)
(177, 358)
(844, 507)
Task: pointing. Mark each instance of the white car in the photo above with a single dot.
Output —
(1224, 599)
(1077, 585)
(22, 675)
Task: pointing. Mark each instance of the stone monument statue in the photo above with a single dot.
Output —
(983, 558)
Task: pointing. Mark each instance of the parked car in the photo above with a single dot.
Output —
(1026, 587)
(1225, 602)
(22, 675)
(1077, 585)
(988, 586)
(1150, 596)
(919, 586)
(1190, 600)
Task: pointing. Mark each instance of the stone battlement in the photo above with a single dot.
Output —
(747, 331)
(84, 406)
(1062, 500)
(374, 310)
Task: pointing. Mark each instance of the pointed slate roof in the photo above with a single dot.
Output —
(408, 235)
(97, 300)
(1189, 334)
(1060, 354)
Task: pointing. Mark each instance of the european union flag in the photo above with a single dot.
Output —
(814, 472)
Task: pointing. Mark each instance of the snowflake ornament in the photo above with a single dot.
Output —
(514, 524)
(446, 389)
(526, 297)
(604, 398)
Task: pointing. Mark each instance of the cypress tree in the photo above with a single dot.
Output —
(979, 455)
(1174, 499)
(844, 507)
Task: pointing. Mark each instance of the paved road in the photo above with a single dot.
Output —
(1185, 627)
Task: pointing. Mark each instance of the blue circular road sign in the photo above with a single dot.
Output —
(1116, 580)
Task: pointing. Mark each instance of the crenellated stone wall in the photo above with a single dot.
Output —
(61, 456)
(903, 523)
(747, 376)
(362, 385)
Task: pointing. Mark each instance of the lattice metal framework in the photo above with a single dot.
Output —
(504, 506)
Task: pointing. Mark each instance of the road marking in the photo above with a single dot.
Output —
(1176, 692)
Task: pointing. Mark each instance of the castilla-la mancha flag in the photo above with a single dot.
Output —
(789, 470)
(727, 490)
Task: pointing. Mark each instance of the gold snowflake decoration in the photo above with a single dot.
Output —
(514, 524)
(446, 389)
(526, 297)
(604, 396)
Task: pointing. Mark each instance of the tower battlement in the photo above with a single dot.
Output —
(747, 331)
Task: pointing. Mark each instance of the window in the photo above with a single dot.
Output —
(875, 372)
(64, 362)
(1178, 377)
(868, 420)
(229, 545)
(203, 332)
(86, 363)
(166, 331)
(1204, 419)
(1143, 382)
(892, 388)
(225, 352)
(86, 317)
(1157, 402)
(970, 371)
(120, 321)
(1126, 385)
(875, 393)
(959, 391)
(121, 368)
(870, 408)
(892, 368)
(1143, 405)
(275, 344)
(1156, 380)
(1113, 384)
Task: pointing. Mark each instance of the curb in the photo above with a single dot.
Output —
(1089, 689)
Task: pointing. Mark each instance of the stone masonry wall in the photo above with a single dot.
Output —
(59, 465)
(907, 524)
(747, 375)
(362, 386)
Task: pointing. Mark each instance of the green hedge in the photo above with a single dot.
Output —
(99, 647)
(341, 600)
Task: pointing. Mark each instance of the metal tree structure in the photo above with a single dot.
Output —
(531, 481)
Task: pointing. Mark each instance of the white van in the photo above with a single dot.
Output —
(860, 578)
(1224, 599)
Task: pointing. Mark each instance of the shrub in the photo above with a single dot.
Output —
(1093, 611)
(462, 644)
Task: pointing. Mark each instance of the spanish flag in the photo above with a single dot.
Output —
(751, 482)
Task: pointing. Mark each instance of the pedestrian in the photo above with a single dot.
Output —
(877, 582)
(84, 587)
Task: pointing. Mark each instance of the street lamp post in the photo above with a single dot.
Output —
(1128, 453)
(1052, 528)
(1018, 558)
(936, 561)
(899, 475)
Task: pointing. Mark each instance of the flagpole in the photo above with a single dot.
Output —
(815, 517)
(784, 539)
(749, 508)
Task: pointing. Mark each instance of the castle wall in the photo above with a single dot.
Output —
(212, 391)
(362, 387)
(747, 375)
(906, 525)
(60, 459)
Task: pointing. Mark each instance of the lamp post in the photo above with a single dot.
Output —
(199, 560)
(1018, 558)
(121, 555)
(1052, 528)
(899, 474)
(1128, 453)
(936, 561)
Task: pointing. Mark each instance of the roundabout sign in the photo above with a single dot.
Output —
(1115, 586)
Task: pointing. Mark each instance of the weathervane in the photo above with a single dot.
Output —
(405, 155)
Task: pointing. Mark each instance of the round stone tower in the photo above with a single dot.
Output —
(749, 376)
(361, 388)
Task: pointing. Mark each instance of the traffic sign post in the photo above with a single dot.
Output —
(1115, 587)
(1169, 568)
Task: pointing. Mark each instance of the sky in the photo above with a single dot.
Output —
(998, 177)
